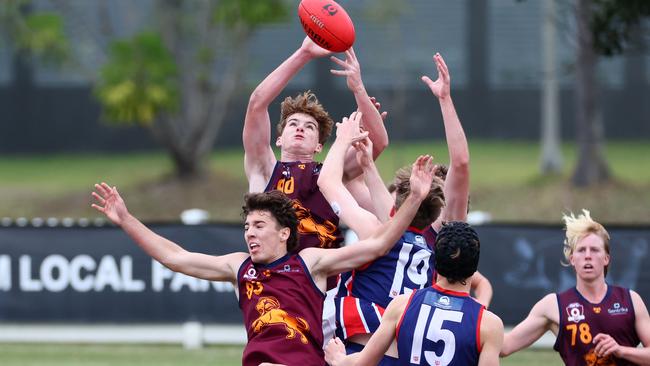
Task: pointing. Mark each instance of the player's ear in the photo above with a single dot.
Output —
(285, 232)
(318, 148)
(278, 141)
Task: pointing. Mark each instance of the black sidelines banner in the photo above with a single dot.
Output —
(99, 275)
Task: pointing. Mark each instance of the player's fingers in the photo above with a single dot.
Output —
(106, 188)
(442, 62)
(102, 189)
(98, 208)
(340, 72)
(338, 61)
(427, 80)
(384, 115)
(598, 338)
(99, 198)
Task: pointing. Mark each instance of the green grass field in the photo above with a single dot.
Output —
(504, 181)
(153, 355)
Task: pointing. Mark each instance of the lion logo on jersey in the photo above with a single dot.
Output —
(592, 359)
(271, 314)
(308, 225)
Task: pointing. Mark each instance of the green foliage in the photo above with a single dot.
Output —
(40, 34)
(139, 80)
(251, 13)
(613, 21)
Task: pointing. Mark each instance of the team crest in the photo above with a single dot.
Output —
(272, 314)
(576, 312)
(597, 309)
(251, 273)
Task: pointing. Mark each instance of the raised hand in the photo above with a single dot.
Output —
(441, 87)
(110, 203)
(377, 105)
(421, 176)
(351, 70)
(334, 352)
(348, 130)
(313, 49)
(364, 152)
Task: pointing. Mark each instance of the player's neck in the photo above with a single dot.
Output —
(593, 291)
(456, 286)
(290, 156)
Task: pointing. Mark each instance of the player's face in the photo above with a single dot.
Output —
(300, 135)
(590, 258)
(265, 239)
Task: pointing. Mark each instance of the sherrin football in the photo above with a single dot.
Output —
(327, 24)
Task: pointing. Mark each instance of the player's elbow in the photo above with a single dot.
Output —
(460, 163)
(322, 182)
(257, 101)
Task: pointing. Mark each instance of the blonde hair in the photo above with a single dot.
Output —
(579, 227)
(430, 207)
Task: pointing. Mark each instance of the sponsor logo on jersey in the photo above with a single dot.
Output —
(442, 301)
(575, 312)
(597, 309)
(419, 239)
(287, 268)
(617, 309)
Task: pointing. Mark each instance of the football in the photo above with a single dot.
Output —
(327, 24)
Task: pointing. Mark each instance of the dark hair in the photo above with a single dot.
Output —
(306, 103)
(280, 207)
(440, 171)
(431, 205)
(457, 251)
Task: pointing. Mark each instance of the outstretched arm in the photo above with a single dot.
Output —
(543, 316)
(378, 343)
(456, 187)
(328, 262)
(606, 345)
(372, 119)
(330, 179)
(170, 254)
(259, 159)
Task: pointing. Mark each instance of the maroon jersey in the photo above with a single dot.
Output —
(282, 313)
(319, 225)
(581, 321)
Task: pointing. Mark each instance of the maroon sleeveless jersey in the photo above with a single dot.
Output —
(319, 225)
(581, 321)
(283, 312)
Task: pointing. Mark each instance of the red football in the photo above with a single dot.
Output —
(327, 24)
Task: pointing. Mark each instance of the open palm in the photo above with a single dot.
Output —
(441, 87)
(110, 203)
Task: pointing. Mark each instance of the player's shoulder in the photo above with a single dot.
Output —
(490, 322)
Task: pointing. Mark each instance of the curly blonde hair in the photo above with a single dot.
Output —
(306, 103)
(579, 227)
